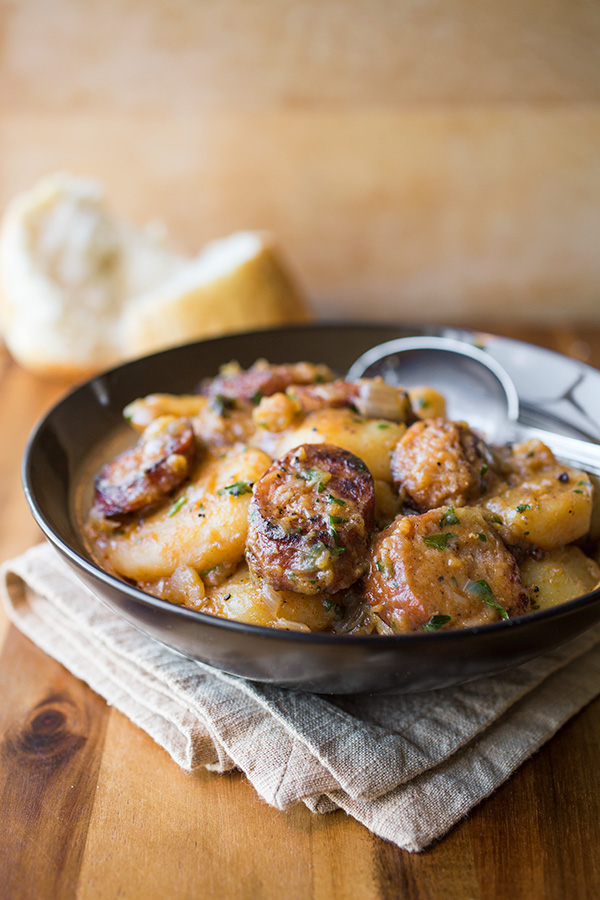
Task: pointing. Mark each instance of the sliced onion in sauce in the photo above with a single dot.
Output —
(378, 400)
(271, 598)
(290, 625)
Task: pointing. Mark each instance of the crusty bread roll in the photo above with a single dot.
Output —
(237, 283)
(80, 290)
(67, 268)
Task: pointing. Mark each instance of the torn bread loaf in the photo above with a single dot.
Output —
(81, 290)
(237, 283)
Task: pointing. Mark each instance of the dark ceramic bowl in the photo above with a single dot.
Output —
(553, 390)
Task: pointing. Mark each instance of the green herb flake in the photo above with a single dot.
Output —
(483, 591)
(449, 518)
(316, 478)
(497, 519)
(482, 473)
(423, 403)
(256, 398)
(222, 405)
(177, 506)
(436, 622)
(439, 541)
(578, 492)
(386, 567)
(336, 500)
(481, 536)
(337, 520)
(237, 489)
(383, 425)
(522, 507)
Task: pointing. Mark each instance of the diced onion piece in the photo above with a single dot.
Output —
(382, 627)
(378, 400)
(357, 620)
(291, 626)
(271, 598)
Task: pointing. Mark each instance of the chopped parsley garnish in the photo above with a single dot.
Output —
(316, 478)
(383, 425)
(449, 517)
(385, 566)
(482, 473)
(578, 492)
(522, 507)
(256, 398)
(333, 521)
(237, 489)
(439, 541)
(497, 519)
(481, 536)
(436, 622)
(483, 591)
(222, 405)
(337, 520)
(177, 506)
(336, 500)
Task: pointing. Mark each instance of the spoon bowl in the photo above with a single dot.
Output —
(478, 390)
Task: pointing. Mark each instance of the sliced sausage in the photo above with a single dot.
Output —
(147, 472)
(310, 520)
(446, 568)
(438, 462)
(262, 380)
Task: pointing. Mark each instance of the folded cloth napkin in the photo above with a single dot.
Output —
(408, 767)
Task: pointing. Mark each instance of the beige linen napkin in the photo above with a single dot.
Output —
(408, 767)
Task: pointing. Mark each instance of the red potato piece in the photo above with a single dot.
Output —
(263, 379)
(310, 520)
(438, 462)
(444, 568)
(147, 472)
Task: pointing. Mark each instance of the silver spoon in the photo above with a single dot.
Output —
(477, 389)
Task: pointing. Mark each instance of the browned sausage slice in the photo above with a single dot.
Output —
(310, 520)
(262, 380)
(445, 568)
(438, 462)
(147, 472)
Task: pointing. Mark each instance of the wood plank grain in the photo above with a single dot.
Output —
(51, 740)
(534, 838)
(156, 831)
(186, 55)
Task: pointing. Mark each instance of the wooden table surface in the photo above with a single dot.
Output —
(92, 808)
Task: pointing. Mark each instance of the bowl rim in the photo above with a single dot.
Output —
(95, 571)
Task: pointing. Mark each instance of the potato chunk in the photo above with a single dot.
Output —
(561, 575)
(246, 599)
(204, 526)
(543, 503)
(372, 440)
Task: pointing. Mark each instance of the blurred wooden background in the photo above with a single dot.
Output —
(418, 160)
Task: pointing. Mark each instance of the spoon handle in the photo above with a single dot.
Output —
(581, 454)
